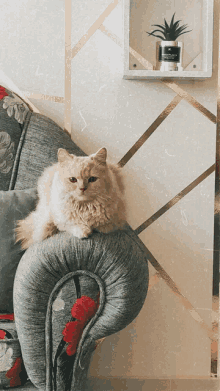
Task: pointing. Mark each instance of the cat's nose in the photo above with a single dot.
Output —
(83, 189)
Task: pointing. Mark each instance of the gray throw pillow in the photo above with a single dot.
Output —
(14, 205)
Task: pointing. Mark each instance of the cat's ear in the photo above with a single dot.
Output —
(101, 156)
(63, 155)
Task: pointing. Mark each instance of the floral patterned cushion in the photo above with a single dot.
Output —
(12, 371)
(13, 114)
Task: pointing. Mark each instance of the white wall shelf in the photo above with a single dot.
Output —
(140, 49)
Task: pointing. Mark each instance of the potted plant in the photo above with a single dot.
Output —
(169, 51)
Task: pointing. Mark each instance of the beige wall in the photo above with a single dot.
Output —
(170, 337)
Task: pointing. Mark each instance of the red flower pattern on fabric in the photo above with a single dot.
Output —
(2, 334)
(7, 317)
(13, 373)
(72, 334)
(2, 92)
(83, 310)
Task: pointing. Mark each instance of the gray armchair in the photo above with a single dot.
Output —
(68, 292)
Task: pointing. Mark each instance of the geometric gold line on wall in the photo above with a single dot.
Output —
(174, 288)
(175, 199)
(50, 98)
(94, 27)
(153, 280)
(215, 346)
(174, 86)
(150, 130)
(118, 41)
(67, 89)
(171, 84)
(192, 101)
(111, 35)
(141, 59)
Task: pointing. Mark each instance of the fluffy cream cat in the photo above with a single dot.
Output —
(77, 195)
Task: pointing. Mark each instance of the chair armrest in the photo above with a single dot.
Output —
(112, 266)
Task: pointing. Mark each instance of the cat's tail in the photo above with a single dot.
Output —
(24, 231)
(34, 229)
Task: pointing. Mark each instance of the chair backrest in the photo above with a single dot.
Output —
(28, 143)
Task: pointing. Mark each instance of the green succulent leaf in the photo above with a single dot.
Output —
(154, 31)
(181, 30)
(166, 24)
(157, 30)
(184, 26)
(176, 25)
(160, 26)
(172, 20)
(155, 35)
(170, 32)
(184, 32)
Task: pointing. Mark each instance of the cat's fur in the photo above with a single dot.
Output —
(77, 207)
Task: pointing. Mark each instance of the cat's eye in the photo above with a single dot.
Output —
(92, 179)
(73, 180)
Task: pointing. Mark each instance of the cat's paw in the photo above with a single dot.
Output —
(79, 232)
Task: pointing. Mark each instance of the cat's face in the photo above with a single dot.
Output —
(83, 177)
